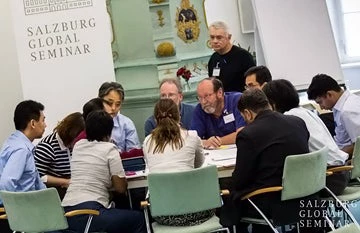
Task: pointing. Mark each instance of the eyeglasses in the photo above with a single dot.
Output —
(251, 85)
(206, 97)
(168, 96)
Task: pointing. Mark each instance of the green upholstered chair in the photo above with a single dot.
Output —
(352, 192)
(38, 211)
(182, 193)
(303, 175)
(350, 228)
(355, 161)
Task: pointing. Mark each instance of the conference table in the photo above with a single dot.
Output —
(224, 158)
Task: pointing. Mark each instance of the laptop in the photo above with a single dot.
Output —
(134, 164)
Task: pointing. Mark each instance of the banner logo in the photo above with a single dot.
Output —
(32, 7)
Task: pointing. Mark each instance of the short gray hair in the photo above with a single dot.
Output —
(220, 25)
(174, 81)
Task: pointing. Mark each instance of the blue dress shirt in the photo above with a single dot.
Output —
(17, 167)
(347, 119)
(124, 133)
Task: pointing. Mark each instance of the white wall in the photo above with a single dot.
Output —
(228, 11)
(10, 85)
(38, 81)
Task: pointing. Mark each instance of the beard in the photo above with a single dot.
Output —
(209, 110)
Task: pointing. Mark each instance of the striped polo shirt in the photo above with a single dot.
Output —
(52, 157)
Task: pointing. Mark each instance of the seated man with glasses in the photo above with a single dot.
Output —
(216, 118)
(170, 88)
(257, 77)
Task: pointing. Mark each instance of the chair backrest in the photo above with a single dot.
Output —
(34, 211)
(184, 192)
(355, 172)
(304, 174)
(350, 228)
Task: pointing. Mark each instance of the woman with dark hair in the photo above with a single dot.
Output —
(170, 148)
(96, 168)
(92, 105)
(53, 153)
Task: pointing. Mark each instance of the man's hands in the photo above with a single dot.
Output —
(212, 142)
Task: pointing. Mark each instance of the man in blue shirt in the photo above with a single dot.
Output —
(345, 106)
(216, 118)
(17, 167)
(170, 88)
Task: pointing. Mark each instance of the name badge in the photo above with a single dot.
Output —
(229, 118)
(216, 72)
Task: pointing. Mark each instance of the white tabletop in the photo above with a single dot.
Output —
(224, 158)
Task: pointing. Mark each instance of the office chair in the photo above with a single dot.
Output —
(38, 211)
(185, 192)
(303, 175)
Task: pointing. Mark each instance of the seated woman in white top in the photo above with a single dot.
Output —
(284, 98)
(96, 168)
(170, 148)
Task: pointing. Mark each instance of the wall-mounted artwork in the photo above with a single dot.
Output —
(187, 22)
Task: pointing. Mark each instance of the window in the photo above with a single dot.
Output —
(345, 17)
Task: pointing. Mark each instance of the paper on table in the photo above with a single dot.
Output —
(222, 163)
(218, 155)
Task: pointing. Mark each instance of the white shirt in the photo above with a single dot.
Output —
(347, 118)
(92, 166)
(188, 157)
(319, 136)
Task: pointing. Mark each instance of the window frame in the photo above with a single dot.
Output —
(338, 26)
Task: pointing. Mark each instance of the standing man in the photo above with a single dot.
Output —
(345, 106)
(229, 62)
(170, 88)
(262, 147)
(216, 118)
(17, 167)
(257, 77)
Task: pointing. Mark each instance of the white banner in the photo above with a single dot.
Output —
(64, 52)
